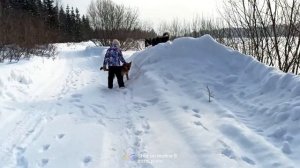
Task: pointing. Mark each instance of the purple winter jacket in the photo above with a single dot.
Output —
(113, 56)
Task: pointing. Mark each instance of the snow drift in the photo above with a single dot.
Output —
(257, 96)
(59, 113)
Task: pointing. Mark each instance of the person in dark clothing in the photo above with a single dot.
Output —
(112, 59)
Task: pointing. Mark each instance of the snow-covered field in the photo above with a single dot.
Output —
(60, 114)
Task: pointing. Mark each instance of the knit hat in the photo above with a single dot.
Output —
(116, 43)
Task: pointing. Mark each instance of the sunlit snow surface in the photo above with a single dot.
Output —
(60, 114)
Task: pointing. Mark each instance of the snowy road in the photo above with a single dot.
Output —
(60, 114)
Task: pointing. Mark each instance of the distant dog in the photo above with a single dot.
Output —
(125, 69)
(157, 40)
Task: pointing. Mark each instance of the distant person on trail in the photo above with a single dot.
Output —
(112, 58)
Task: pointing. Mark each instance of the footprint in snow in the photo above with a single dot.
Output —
(247, 160)
(86, 160)
(195, 110)
(75, 101)
(153, 101)
(99, 106)
(138, 132)
(44, 162)
(146, 125)
(60, 136)
(79, 96)
(80, 106)
(29, 132)
(11, 108)
(45, 148)
(21, 160)
(129, 125)
(198, 123)
(197, 115)
(96, 110)
(228, 153)
(101, 122)
(138, 104)
(137, 142)
(185, 107)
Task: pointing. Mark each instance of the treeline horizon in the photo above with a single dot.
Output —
(268, 30)
(31, 27)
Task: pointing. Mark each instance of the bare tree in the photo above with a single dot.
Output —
(266, 29)
(111, 20)
(23, 35)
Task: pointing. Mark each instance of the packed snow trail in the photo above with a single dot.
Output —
(60, 114)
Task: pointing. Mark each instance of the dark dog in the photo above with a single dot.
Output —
(157, 40)
(125, 69)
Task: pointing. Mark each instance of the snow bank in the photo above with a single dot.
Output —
(83, 49)
(261, 97)
(47, 106)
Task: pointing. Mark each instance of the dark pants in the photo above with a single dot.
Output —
(112, 71)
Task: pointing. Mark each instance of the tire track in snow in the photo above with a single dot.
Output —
(30, 125)
(26, 131)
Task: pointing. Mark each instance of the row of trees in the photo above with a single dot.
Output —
(28, 27)
(57, 23)
(267, 29)
(111, 20)
(272, 31)
(72, 27)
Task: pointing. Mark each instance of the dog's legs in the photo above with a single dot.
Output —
(127, 76)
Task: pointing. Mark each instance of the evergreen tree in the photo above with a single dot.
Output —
(86, 28)
(40, 9)
(68, 23)
(62, 19)
(77, 31)
(72, 25)
(32, 7)
(51, 14)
